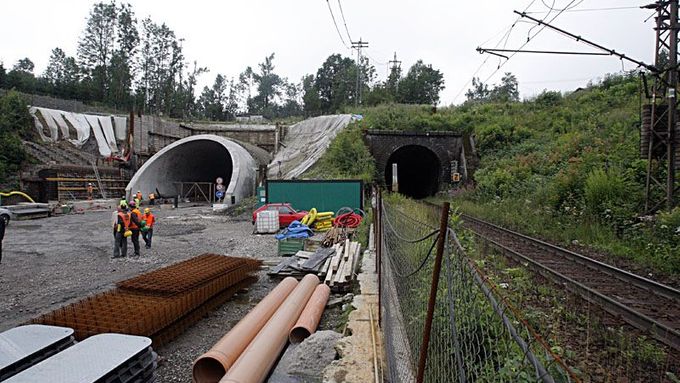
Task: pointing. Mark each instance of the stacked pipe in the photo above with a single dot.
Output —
(160, 304)
(247, 353)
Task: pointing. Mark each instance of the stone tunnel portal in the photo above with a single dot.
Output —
(418, 170)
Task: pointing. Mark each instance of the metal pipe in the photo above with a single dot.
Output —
(213, 365)
(311, 315)
(258, 358)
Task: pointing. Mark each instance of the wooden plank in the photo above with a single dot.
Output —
(338, 276)
(332, 265)
(304, 254)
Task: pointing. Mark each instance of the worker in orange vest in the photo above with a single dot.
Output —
(90, 191)
(135, 225)
(147, 231)
(138, 198)
(121, 225)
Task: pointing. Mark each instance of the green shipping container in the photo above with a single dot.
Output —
(324, 195)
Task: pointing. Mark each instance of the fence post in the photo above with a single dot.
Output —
(379, 249)
(441, 242)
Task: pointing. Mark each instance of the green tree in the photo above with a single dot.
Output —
(212, 100)
(269, 86)
(421, 85)
(335, 83)
(15, 123)
(507, 90)
(21, 76)
(310, 96)
(479, 91)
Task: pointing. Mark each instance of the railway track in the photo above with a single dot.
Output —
(641, 302)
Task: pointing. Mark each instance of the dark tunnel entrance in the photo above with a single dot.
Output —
(198, 161)
(418, 170)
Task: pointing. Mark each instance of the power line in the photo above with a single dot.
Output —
(543, 26)
(343, 20)
(336, 25)
(591, 9)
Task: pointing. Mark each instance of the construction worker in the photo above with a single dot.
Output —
(147, 232)
(123, 202)
(138, 198)
(152, 199)
(90, 191)
(121, 225)
(135, 225)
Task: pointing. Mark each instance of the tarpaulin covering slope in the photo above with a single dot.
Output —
(55, 125)
(304, 144)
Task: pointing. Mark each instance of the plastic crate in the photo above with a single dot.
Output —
(290, 246)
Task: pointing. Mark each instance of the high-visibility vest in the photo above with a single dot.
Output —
(125, 217)
(136, 212)
(149, 219)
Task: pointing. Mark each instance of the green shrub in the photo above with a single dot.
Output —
(605, 193)
(346, 157)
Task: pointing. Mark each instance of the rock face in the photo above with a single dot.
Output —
(305, 362)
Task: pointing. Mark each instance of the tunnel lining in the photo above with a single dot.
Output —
(200, 158)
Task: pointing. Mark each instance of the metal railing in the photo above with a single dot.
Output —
(444, 320)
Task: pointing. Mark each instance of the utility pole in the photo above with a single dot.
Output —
(358, 45)
(659, 136)
(395, 63)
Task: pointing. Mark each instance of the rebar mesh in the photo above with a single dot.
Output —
(476, 335)
(148, 313)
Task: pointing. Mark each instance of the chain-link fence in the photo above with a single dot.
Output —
(476, 335)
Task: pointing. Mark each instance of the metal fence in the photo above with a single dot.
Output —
(474, 334)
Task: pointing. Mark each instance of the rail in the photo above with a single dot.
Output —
(617, 291)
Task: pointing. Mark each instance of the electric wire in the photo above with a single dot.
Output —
(336, 25)
(591, 9)
(342, 13)
(529, 39)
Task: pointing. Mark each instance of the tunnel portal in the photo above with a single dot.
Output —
(196, 159)
(418, 170)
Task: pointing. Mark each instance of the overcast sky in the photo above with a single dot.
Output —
(227, 36)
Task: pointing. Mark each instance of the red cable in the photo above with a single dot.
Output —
(350, 220)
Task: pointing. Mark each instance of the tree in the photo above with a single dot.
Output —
(63, 75)
(421, 85)
(310, 96)
(507, 91)
(15, 123)
(24, 65)
(335, 83)
(96, 46)
(479, 91)
(268, 88)
(212, 100)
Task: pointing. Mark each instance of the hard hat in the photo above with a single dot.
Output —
(127, 233)
(133, 204)
(147, 210)
(139, 191)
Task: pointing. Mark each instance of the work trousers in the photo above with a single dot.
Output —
(119, 245)
(146, 236)
(135, 241)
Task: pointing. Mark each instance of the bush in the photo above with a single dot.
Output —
(15, 123)
(346, 157)
(604, 193)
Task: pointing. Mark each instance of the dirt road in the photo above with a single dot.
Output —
(51, 262)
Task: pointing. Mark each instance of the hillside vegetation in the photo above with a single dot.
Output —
(565, 167)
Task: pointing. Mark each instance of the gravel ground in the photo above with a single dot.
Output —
(51, 262)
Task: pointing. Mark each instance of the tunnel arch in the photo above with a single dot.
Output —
(199, 158)
(418, 171)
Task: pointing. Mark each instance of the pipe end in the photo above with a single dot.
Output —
(208, 369)
(298, 334)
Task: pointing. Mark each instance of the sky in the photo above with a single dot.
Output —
(228, 36)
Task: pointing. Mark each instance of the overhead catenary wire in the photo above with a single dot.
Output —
(342, 13)
(336, 24)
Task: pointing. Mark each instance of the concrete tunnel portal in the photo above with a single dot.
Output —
(418, 171)
(200, 158)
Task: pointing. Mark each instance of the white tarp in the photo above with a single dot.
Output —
(120, 124)
(104, 149)
(79, 123)
(305, 143)
(55, 125)
(107, 128)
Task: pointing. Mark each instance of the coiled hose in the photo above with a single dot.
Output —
(348, 218)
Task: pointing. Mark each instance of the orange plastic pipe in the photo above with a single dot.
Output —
(255, 362)
(311, 315)
(211, 366)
